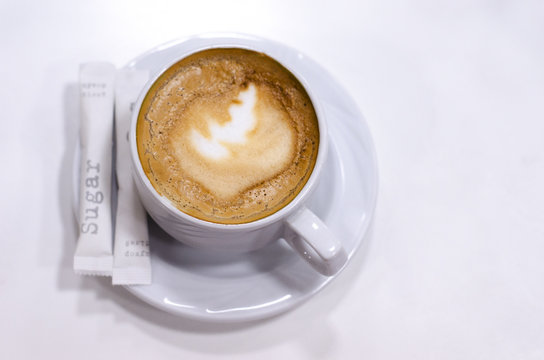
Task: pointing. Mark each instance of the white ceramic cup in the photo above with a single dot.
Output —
(295, 223)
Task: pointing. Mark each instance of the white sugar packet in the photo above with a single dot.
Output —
(94, 255)
(132, 264)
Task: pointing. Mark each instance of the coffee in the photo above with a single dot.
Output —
(227, 135)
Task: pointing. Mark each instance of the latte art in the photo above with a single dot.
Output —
(227, 135)
(254, 145)
(243, 119)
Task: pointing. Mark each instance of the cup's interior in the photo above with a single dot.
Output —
(288, 208)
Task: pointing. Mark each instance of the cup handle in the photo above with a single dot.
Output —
(315, 242)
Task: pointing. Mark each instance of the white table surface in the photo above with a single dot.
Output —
(453, 92)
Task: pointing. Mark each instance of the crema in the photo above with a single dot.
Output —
(227, 135)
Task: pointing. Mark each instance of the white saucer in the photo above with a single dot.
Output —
(231, 288)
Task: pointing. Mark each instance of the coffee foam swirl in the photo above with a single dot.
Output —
(243, 119)
(254, 144)
(227, 135)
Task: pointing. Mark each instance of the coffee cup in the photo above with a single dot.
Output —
(227, 144)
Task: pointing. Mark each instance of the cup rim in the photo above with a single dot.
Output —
(248, 43)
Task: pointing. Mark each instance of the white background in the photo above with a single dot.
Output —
(453, 92)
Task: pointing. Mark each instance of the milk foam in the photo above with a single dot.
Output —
(254, 144)
(234, 132)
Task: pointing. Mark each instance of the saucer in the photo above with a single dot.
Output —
(220, 287)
